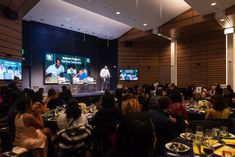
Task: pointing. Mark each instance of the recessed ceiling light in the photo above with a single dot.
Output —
(159, 34)
(145, 24)
(222, 20)
(169, 38)
(213, 4)
(118, 13)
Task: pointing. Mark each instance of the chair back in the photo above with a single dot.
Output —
(5, 138)
(229, 123)
(205, 124)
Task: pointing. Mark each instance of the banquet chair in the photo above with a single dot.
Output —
(205, 124)
(229, 123)
(5, 138)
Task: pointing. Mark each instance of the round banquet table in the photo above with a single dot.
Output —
(189, 153)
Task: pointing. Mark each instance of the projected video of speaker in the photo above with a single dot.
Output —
(66, 69)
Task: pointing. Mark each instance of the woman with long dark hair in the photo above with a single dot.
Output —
(219, 108)
(135, 137)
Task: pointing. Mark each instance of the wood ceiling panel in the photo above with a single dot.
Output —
(5, 2)
(16, 4)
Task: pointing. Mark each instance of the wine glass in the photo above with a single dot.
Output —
(208, 142)
(197, 146)
(224, 131)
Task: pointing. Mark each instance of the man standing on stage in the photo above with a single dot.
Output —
(105, 78)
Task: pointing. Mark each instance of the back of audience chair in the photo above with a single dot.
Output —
(205, 124)
(229, 123)
(5, 136)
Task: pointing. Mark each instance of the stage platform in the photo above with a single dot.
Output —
(87, 94)
(89, 97)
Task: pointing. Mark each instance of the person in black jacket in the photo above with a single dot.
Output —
(105, 122)
(164, 129)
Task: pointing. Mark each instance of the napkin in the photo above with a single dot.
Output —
(221, 149)
(229, 141)
(19, 150)
(196, 150)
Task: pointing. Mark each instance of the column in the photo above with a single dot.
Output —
(230, 60)
(174, 61)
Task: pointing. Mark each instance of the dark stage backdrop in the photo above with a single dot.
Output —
(39, 38)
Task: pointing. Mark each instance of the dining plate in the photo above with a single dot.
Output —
(229, 136)
(177, 147)
(187, 136)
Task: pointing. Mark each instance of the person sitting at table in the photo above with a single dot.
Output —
(135, 137)
(30, 132)
(164, 128)
(218, 109)
(65, 95)
(176, 106)
(82, 74)
(72, 117)
(131, 104)
(105, 122)
(52, 100)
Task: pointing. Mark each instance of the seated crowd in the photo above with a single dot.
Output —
(132, 122)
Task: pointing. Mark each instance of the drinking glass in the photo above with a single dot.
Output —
(208, 142)
(199, 131)
(224, 131)
(215, 132)
(197, 146)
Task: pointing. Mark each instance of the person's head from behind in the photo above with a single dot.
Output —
(52, 93)
(64, 88)
(163, 102)
(105, 67)
(218, 102)
(57, 62)
(229, 87)
(14, 96)
(41, 90)
(23, 104)
(72, 109)
(108, 101)
(176, 97)
(135, 136)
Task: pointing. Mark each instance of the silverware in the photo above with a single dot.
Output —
(172, 154)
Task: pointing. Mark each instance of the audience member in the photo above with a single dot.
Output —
(30, 131)
(219, 108)
(163, 126)
(135, 137)
(72, 117)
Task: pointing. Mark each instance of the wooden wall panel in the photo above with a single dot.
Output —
(201, 59)
(11, 30)
(141, 56)
(146, 54)
(164, 63)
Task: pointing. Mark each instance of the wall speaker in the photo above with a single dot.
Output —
(10, 14)
(128, 44)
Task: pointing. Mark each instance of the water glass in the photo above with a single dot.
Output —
(224, 131)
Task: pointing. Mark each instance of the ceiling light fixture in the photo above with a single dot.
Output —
(213, 4)
(145, 24)
(118, 13)
(229, 30)
(222, 20)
